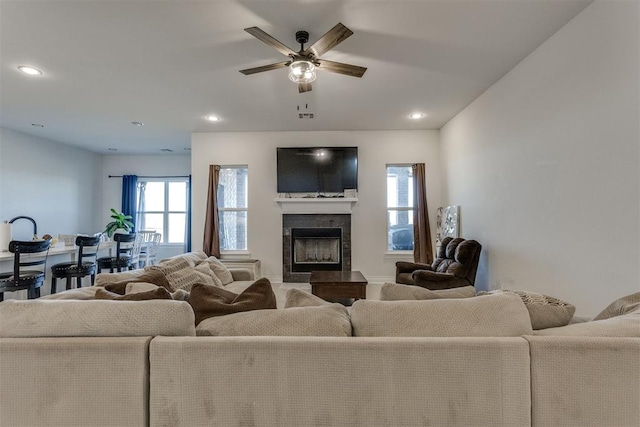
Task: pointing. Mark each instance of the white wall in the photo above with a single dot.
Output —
(545, 164)
(151, 165)
(258, 151)
(55, 184)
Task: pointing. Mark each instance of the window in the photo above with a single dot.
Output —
(232, 208)
(399, 208)
(162, 207)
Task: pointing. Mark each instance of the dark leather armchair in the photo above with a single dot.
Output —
(455, 266)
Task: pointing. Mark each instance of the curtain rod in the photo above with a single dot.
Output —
(153, 176)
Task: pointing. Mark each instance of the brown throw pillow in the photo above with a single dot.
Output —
(149, 276)
(160, 293)
(209, 301)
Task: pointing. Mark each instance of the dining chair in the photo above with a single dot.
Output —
(29, 266)
(123, 257)
(84, 265)
(149, 253)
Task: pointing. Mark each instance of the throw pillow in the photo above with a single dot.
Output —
(330, 320)
(620, 306)
(209, 301)
(159, 293)
(544, 311)
(136, 287)
(192, 258)
(398, 292)
(219, 269)
(502, 315)
(626, 325)
(299, 298)
(155, 277)
(181, 275)
(180, 295)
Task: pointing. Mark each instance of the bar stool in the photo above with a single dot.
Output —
(85, 265)
(123, 256)
(28, 271)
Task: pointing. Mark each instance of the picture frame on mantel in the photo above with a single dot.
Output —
(447, 224)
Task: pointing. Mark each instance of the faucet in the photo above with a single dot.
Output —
(35, 227)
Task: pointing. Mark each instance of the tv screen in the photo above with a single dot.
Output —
(317, 169)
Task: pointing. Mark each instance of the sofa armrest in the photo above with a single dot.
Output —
(432, 280)
(241, 274)
(409, 267)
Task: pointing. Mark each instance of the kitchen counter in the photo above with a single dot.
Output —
(57, 250)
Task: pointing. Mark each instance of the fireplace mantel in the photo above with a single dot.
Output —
(320, 205)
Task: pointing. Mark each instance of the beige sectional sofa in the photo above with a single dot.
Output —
(120, 363)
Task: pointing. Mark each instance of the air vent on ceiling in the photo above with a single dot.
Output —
(305, 114)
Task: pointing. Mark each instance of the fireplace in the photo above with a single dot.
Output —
(315, 242)
(316, 249)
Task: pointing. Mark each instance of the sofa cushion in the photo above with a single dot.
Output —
(299, 298)
(95, 318)
(627, 325)
(545, 311)
(398, 292)
(489, 316)
(209, 301)
(76, 294)
(158, 293)
(620, 306)
(331, 320)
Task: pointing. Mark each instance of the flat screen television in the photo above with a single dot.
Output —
(317, 169)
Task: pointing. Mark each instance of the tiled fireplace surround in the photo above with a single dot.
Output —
(312, 221)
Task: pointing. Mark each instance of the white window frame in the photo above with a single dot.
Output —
(221, 210)
(165, 213)
(389, 209)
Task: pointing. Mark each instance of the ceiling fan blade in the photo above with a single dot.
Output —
(304, 87)
(266, 38)
(269, 67)
(340, 68)
(332, 38)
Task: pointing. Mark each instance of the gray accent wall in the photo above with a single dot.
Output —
(545, 164)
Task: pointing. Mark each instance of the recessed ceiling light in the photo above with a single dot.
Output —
(416, 116)
(137, 123)
(30, 70)
(112, 149)
(37, 125)
(213, 118)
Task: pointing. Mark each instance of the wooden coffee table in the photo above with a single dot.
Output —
(336, 285)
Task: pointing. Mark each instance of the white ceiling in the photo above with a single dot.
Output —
(169, 64)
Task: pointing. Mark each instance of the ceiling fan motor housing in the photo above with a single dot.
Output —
(302, 37)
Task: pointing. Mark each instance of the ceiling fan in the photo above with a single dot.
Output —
(303, 64)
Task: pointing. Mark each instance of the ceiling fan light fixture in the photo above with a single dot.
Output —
(302, 71)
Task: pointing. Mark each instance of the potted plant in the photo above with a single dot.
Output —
(120, 223)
